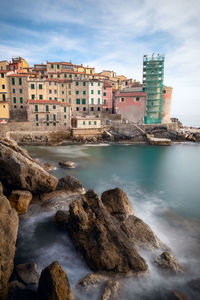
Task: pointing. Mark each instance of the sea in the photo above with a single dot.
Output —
(163, 186)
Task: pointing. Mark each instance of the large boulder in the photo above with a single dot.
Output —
(19, 171)
(111, 290)
(20, 200)
(54, 284)
(67, 164)
(61, 219)
(28, 273)
(69, 184)
(8, 234)
(167, 263)
(99, 238)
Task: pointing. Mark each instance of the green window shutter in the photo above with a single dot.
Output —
(98, 83)
(95, 122)
(36, 118)
(62, 84)
(65, 75)
(105, 102)
(32, 86)
(58, 66)
(89, 122)
(65, 109)
(99, 92)
(104, 94)
(14, 100)
(99, 101)
(77, 92)
(83, 122)
(20, 81)
(92, 100)
(69, 92)
(13, 81)
(75, 75)
(76, 82)
(21, 100)
(69, 85)
(77, 101)
(70, 101)
(52, 66)
(47, 117)
(32, 97)
(40, 97)
(54, 124)
(54, 117)
(13, 91)
(83, 101)
(91, 83)
(47, 124)
(58, 75)
(47, 107)
(84, 92)
(36, 107)
(50, 98)
(4, 97)
(63, 100)
(40, 86)
(92, 91)
(63, 92)
(54, 106)
(65, 116)
(70, 75)
(84, 83)
(65, 124)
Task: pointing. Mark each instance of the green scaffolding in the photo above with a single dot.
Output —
(153, 73)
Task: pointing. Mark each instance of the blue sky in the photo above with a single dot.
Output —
(110, 34)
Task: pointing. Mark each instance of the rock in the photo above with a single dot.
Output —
(140, 233)
(167, 262)
(22, 294)
(28, 273)
(91, 281)
(54, 284)
(69, 183)
(67, 164)
(1, 189)
(97, 235)
(117, 203)
(111, 290)
(15, 284)
(176, 295)
(49, 167)
(8, 234)
(195, 284)
(20, 200)
(19, 171)
(61, 219)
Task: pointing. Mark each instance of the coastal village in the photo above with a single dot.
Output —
(75, 100)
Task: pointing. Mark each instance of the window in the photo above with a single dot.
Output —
(13, 91)
(92, 100)
(54, 106)
(63, 100)
(40, 86)
(77, 101)
(32, 86)
(77, 109)
(55, 83)
(99, 101)
(65, 117)
(84, 92)
(63, 92)
(99, 109)
(51, 66)
(32, 96)
(47, 107)
(84, 108)
(69, 100)
(47, 124)
(122, 99)
(20, 81)
(65, 109)
(75, 75)
(58, 75)
(65, 124)
(164, 91)
(49, 83)
(70, 75)
(50, 91)
(77, 92)
(62, 84)
(40, 97)
(4, 97)
(4, 106)
(14, 100)
(95, 122)
(104, 94)
(54, 117)
(37, 124)
(50, 98)
(55, 91)
(2, 75)
(89, 122)
(99, 92)
(137, 99)
(20, 91)
(36, 107)
(21, 100)
(21, 106)
(90, 71)
(47, 117)
(69, 85)
(54, 124)
(3, 86)
(83, 101)
(104, 102)
(58, 66)
(65, 75)
(92, 91)
(107, 110)
(36, 117)
(51, 75)
(83, 122)
(69, 92)
(13, 81)
(76, 82)
(92, 109)
(91, 83)
(84, 83)
(99, 84)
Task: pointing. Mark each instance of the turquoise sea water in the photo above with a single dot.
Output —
(163, 185)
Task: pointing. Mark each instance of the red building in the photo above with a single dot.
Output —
(132, 105)
(107, 98)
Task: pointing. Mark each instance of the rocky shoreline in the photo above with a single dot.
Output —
(105, 231)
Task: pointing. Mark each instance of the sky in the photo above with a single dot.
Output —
(114, 35)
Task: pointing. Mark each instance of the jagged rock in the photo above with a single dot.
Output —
(111, 290)
(28, 273)
(117, 203)
(19, 171)
(91, 281)
(195, 284)
(8, 234)
(20, 200)
(61, 219)
(67, 164)
(49, 167)
(54, 284)
(14, 287)
(69, 183)
(140, 233)
(97, 235)
(167, 262)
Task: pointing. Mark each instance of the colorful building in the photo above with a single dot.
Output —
(166, 105)
(95, 96)
(107, 98)
(18, 64)
(4, 96)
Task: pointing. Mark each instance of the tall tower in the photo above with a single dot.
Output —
(153, 73)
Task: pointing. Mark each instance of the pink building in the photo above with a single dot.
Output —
(107, 98)
(132, 105)
(166, 105)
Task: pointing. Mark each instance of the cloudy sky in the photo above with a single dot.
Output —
(111, 34)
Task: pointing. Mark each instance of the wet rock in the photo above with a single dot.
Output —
(195, 284)
(177, 295)
(140, 233)
(69, 183)
(99, 238)
(117, 203)
(8, 234)
(91, 281)
(49, 167)
(28, 273)
(20, 200)
(167, 262)
(19, 171)
(111, 290)
(54, 284)
(67, 164)
(61, 219)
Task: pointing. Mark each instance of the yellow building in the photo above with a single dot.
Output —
(4, 65)
(4, 97)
